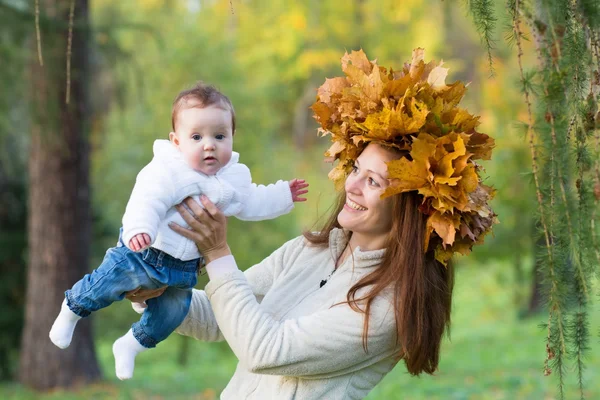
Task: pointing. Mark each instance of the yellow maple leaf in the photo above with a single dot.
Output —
(338, 176)
(405, 176)
(460, 120)
(378, 124)
(444, 225)
(333, 152)
(417, 65)
(397, 87)
(332, 86)
(479, 144)
(437, 78)
(359, 60)
(323, 114)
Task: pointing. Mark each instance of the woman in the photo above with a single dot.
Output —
(298, 320)
(329, 314)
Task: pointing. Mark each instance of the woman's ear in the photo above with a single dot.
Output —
(174, 139)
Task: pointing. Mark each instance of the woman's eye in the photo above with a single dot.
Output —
(372, 182)
(196, 137)
(354, 169)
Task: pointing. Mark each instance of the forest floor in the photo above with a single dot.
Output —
(492, 354)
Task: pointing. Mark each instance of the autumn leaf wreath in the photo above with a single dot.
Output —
(416, 111)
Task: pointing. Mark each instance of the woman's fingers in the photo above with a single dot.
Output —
(140, 295)
(193, 206)
(207, 227)
(212, 210)
(193, 235)
(188, 215)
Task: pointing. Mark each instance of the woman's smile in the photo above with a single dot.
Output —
(353, 206)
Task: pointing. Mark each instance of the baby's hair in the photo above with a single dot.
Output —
(207, 95)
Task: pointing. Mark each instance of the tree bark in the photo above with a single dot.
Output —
(59, 202)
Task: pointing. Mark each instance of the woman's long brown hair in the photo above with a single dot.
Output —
(422, 285)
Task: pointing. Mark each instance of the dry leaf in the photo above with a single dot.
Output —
(413, 109)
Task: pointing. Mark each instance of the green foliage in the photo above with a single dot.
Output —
(492, 355)
(562, 105)
(269, 57)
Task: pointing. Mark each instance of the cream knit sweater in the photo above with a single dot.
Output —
(290, 339)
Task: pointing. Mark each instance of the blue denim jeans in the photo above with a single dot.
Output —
(123, 270)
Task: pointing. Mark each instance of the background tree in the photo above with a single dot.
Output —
(59, 197)
(13, 188)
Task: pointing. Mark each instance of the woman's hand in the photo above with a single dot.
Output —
(140, 295)
(208, 228)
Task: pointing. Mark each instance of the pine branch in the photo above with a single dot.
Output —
(558, 351)
(580, 332)
(485, 23)
(596, 192)
(593, 19)
(554, 303)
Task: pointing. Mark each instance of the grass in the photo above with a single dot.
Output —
(492, 355)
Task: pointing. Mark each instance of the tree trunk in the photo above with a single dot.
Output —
(59, 215)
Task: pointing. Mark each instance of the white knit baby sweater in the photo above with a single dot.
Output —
(290, 339)
(167, 180)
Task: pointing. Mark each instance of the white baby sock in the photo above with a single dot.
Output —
(61, 332)
(125, 349)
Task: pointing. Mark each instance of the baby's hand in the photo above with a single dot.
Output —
(139, 242)
(296, 186)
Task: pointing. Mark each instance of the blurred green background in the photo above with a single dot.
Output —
(269, 57)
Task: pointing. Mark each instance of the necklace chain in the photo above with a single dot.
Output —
(324, 281)
(335, 267)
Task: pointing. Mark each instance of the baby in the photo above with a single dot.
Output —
(196, 160)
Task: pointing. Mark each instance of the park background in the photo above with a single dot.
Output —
(269, 57)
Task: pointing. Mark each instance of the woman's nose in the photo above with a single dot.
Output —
(353, 184)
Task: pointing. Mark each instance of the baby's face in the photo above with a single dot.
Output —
(204, 137)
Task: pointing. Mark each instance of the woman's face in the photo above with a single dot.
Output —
(365, 213)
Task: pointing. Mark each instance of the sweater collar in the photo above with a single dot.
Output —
(165, 151)
(338, 238)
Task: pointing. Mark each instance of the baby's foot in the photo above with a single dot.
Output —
(61, 332)
(125, 349)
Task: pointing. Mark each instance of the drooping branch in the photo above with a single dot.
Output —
(485, 23)
(555, 309)
(69, 48)
(37, 32)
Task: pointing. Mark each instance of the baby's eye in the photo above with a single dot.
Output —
(220, 136)
(196, 136)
